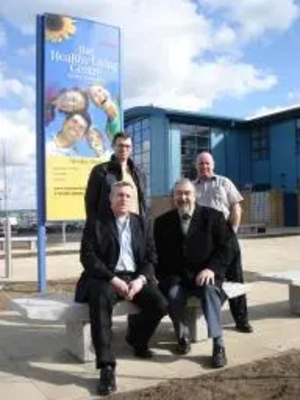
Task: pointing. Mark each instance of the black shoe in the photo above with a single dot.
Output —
(183, 346)
(139, 350)
(244, 327)
(107, 384)
(219, 357)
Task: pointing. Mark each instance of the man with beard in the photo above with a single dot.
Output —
(192, 249)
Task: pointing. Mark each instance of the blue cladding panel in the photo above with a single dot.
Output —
(283, 156)
(159, 155)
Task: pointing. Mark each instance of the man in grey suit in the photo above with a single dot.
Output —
(193, 252)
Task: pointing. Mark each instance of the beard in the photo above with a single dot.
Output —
(184, 209)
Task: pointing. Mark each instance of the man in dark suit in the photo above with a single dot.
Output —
(192, 249)
(117, 254)
(119, 168)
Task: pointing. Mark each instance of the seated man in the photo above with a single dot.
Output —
(117, 254)
(192, 249)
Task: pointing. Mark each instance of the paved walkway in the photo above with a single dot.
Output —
(34, 364)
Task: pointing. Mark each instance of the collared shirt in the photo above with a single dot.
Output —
(126, 176)
(218, 192)
(126, 260)
(185, 220)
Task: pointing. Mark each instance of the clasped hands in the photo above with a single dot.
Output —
(127, 290)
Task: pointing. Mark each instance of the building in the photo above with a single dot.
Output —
(260, 154)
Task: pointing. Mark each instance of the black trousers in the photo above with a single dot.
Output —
(234, 273)
(101, 300)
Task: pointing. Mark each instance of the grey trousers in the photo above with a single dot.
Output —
(211, 302)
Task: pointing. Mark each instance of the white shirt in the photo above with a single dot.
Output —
(126, 260)
(218, 193)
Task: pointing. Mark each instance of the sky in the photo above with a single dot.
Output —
(225, 57)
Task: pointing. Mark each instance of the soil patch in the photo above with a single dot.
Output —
(271, 378)
(11, 290)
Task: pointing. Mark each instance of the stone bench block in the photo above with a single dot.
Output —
(62, 308)
(292, 279)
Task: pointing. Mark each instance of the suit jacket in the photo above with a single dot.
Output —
(206, 245)
(101, 178)
(100, 249)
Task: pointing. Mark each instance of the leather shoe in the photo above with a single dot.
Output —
(219, 357)
(183, 346)
(107, 383)
(244, 327)
(139, 350)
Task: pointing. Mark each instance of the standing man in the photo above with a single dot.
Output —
(219, 192)
(191, 243)
(102, 176)
(117, 256)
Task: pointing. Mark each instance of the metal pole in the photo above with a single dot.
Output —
(40, 159)
(7, 227)
(63, 232)
(8, 258)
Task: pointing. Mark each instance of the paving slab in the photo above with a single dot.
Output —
(34, 363)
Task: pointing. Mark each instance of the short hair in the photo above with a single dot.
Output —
(120, 184)
(184, 181)
(120, 135)
(207, 153)
(85, 115)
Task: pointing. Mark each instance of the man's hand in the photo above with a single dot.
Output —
(205, 277)
(135, 287)
(120, 286)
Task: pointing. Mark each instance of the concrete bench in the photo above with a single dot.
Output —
(62, 308)
(254, 228)
(22, 242)
(291, 278)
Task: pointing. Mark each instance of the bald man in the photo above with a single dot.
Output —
(220, 193)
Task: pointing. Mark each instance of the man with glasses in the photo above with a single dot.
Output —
(103, 176)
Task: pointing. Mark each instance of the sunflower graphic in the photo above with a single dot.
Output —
(59, 28)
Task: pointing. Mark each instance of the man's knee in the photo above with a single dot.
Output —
(157, 301)
(209, 290)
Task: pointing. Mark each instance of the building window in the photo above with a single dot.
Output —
(140, 133)
(194, 140)
(297, 131)
(260, 147)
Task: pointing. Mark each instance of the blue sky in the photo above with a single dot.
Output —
(228, 57)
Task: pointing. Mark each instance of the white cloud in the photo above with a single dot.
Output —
(26, 51)
(208, 82)
(17, 158)
(14, 87)
(262, 111)
(17, 140)
(255, 17)
(21, 193)
(164, 48)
